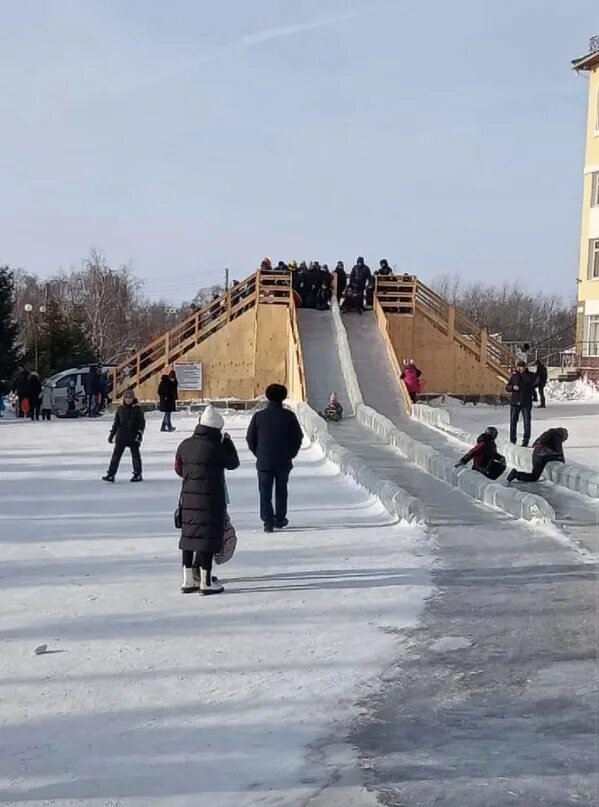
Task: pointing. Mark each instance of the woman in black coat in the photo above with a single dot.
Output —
(168, 393)
(201, 461)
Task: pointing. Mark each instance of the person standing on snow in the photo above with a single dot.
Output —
(411, 376)
(542, 376)
(522, 387)
(34, 394)
(201, 461)
(274, 437)
(47, 402)
(549, 447)
(168, 394)
(127, 432)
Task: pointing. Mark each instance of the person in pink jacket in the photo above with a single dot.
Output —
(411, 376)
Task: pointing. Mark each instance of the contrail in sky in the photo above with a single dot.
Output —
(251, 40)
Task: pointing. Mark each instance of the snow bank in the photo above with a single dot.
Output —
(570, 475)
(148, 697)
(473, 484)
(580, 390)
(395, 500)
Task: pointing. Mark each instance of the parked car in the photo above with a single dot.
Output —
(60, 385)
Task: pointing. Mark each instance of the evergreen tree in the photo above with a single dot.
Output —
(10, 347)
(62, 343)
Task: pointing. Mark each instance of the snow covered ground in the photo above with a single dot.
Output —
(580, 417)
(150, 697)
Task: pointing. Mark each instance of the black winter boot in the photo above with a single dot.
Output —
(108, 478)
(137, 478)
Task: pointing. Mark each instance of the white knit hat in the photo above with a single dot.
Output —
(212, 418)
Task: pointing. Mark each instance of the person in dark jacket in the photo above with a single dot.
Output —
(384, 269)
(522, 386)
(34, 394)
(168, 394)
(359, 275)
(341, 275)
(484, 456)
(542, 376)
(201, 461)
(549, 447)
(127, 432)
(274, 437)
(21, 388)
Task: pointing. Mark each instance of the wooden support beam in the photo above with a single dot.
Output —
(451, 323)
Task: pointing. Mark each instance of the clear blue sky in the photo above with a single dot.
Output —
(189, 135)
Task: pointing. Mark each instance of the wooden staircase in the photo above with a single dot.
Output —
(159, 355)
(406, 295)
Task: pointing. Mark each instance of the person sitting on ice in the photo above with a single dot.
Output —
(549, 447)
(484, 456)
(353, 300)
(334, 410)
(411, 377)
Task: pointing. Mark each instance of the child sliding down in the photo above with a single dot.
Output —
(334, 411)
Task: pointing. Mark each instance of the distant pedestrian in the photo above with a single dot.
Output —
(127, 432)
(522, 386)
(274, 437)
(21, 388)
(359, 275)
(523, 353)
(168, 394)
(201, 461)
(72, 400)
(542, 376)
(411, 376)
(47, 402)
(341, 275)
(549, 447)
(34, 394)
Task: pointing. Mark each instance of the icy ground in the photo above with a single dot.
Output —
(581, 418)
(149, 697)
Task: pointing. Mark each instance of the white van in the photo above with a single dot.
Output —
(60, 382)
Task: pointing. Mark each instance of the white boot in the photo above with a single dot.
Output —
(207, 585)
(189, 584)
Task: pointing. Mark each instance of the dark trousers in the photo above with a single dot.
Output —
(266, 481)
(202, 559)
(166, 420)
(542, 395)
(46, 414)
(118, 452)
(515, 411)
(538, 466)
(34, 412)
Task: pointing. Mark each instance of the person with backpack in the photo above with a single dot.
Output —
(549, 447)
(201, 461)
(521, 386)
(168, 394)
(484, 456)
(127, 432)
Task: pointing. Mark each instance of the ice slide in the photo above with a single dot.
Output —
(492, 622)
(576, 514)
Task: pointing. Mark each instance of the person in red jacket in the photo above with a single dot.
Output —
(411, 375)
(484, 456)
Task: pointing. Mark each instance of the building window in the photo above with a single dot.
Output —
(591, 345)
(595, 189)
(593, 271)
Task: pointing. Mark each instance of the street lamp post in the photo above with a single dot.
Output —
(34, 318)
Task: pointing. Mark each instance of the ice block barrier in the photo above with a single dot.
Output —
(571, 475)
(394, 499)
(520, 505)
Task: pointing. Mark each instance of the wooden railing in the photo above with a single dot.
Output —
(400, 295)
(383, 323)
(299, 355)
(262, 287)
